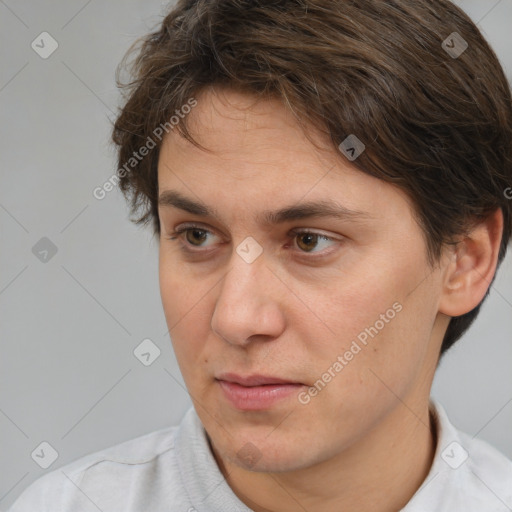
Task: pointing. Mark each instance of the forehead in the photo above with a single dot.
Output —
(244, 136)
(235, 110)
(257, 151)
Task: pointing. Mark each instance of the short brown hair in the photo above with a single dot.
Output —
(435, 124)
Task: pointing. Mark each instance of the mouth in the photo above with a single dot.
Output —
(254, 380)
(256, 392)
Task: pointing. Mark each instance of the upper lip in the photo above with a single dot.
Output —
(254, 380)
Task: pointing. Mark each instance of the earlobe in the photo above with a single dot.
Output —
(472, 267)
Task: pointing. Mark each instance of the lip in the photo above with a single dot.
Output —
(254, 380)
(256, 392)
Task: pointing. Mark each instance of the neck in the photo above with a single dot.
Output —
(386, 467)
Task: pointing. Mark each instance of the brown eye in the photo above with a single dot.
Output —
(307, 241)
(195, 236)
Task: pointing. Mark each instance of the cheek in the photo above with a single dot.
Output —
(351, 306)
(377, 320)
(180, 291)
(185, 303)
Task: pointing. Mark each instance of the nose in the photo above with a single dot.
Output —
(249, 304)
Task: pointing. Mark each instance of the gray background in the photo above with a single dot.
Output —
(69, 325)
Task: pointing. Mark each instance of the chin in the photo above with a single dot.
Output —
(283, 465)
(263, 454)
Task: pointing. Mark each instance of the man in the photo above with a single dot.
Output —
(327, 180)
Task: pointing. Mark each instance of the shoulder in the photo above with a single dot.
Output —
(110, 477)
(467, 473)
(477, 459)
(488, 469)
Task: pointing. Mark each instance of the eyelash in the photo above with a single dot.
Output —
(185, 247)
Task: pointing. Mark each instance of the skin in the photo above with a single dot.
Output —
(366, 438)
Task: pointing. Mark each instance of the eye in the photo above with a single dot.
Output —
(307, 241)
(195, 236)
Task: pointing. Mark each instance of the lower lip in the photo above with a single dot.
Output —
(257, 397)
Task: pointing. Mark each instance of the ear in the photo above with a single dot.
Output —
(472, 266)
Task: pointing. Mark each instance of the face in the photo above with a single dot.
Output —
(343, 305)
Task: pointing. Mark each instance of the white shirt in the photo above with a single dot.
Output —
(173, 470)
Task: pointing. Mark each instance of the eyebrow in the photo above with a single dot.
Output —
(311, 209)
